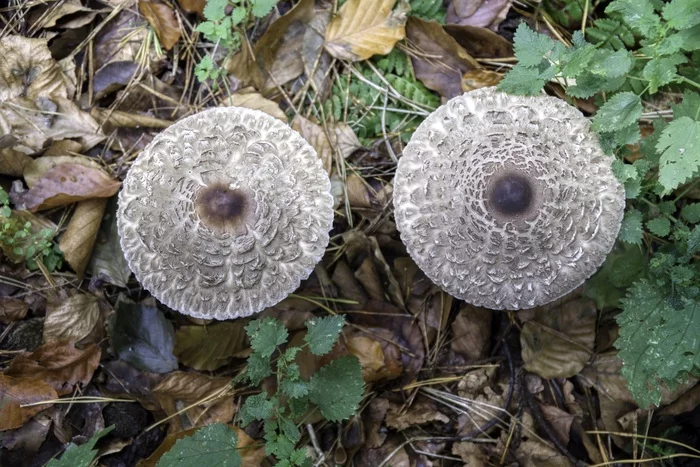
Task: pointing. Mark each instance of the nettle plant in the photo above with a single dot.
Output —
(654, 277)
(334, 391)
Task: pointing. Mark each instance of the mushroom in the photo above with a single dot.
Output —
(507, 202)
(224, 213)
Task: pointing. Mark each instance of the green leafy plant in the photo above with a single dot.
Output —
(224, 19)
(335, 391)
(19, 242)
(638, 50)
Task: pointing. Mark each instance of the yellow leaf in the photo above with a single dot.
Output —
(364, 28)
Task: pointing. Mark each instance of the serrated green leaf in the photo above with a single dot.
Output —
(522, 81)
(689, 106)
(638, 15)
(213, 444)
(323, 333)
(80, 456)
(215, 10)
(682, 14)
(662, 70)
(659, 340)
(257, 407)
(337, 388)
(679, 146)
(622, 110)
(631, 229)
(263, 7)
(691, 213)
(531, 47)
(265, 335)
(659, 226)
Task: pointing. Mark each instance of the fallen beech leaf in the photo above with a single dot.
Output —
(179, 389)
(12, 309)
(558, 342)
(193, 6)
(440, 61)
(78, 239)
(363, 28)
(19, 391)
(71, 319)
(209, 347)
(250, 99)
(28, 70)
(162, 19)
(60, 364)
(66, 184)
(482, 13)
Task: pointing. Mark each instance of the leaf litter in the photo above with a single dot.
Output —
(77, 104)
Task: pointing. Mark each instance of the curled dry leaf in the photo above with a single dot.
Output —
(250, 99)
(66, 184)
(12, 309)
(439, 61)
(162, 19)
(60, 364)
(180, 389)
(363, 28)
(79, 238)
(209, 347)
(557, 343)
(17, 391)
(28, 70)
(481, 13)
(71, 319)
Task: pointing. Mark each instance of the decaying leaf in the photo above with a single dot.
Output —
(481, 13)
(557, 343)
(15, 392)
(363, 28)
(59, 364)
(66, 184)
(71, 319)
(162, 19)
(12, 309)
(209, 347)
(250, 99)
(439, 61)
(78, 239)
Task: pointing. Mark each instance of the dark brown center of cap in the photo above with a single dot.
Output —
(511, 194)
(220, 206)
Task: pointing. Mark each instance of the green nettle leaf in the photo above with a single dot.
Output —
(679, 146)
(691, 213)
(265, 335)
(659, 340)
(257, 407)
(631, 229)
(215, 10)
(337, 388)
(80, 456)
(142, 336)
(323, 333)
(682, 14)
(638, 15)
(622, 110)
(659, 226)
(263, 7)
(531, 47)
(662, 70)
(213, 444)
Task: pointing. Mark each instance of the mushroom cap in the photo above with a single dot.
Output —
(507, 202)
(225, 213)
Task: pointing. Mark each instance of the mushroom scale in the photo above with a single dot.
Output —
(225, 213)
(507, 202)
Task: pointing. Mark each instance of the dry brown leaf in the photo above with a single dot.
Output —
(250, 99)
(13, 162)
(60, 364)
(480, 42)
(162, 19)
(477, 79)
(20, 391)
(180, 389)
(481, 13)
(471, 331)
(28, 70)
(79, 238)
(12, 309)
(66, 184)
(363, 28)
(193, 6)
(439, 61)
(71, 319)
(39, 166)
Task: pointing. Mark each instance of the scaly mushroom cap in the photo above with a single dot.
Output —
(507, 202)
(224, 213)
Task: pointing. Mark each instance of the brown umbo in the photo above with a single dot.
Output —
(224, 213)
(507, 202)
